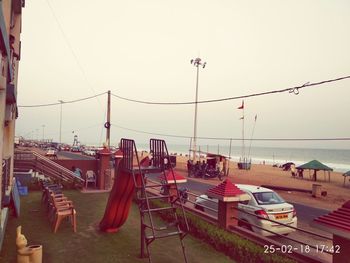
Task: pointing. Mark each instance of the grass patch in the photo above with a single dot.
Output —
(91, 245)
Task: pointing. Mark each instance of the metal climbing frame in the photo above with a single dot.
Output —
(150, 231)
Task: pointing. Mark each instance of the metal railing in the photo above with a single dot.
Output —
(272, 221)
(46, 166)
(317, 248)
(280, 235)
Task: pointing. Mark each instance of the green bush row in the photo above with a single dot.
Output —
(234, 246)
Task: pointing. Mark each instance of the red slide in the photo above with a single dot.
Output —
(120, 199)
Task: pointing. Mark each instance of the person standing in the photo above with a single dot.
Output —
(292, 169)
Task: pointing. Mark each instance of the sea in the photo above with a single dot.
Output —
(338, 159)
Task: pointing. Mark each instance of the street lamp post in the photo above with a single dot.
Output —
(197, 63)
(43, 131)
(60, 140)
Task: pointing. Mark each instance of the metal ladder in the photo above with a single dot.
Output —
(149, 231)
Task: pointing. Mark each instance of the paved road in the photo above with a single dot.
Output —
(308, 213)
(74, 156)
(305, 213)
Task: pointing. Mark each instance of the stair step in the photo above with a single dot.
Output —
(163, 235)
(158, 209)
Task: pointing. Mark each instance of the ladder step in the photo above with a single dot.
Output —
(158, 209)
(161, 228)
(154, 197)
(165, 235)
(151, 186)
(144, 170)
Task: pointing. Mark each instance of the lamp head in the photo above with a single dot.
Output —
(198, 62)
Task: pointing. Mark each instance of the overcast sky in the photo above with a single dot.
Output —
(142, 50)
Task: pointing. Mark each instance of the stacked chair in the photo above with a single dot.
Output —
(58, 206)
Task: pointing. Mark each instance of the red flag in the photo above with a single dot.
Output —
(242, 106)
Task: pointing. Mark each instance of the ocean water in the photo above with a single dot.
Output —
(338, 159)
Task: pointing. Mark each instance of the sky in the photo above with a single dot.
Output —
(142, 50)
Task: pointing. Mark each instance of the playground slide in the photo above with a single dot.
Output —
(120, 198)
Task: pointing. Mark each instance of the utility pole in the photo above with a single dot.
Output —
(108, 123)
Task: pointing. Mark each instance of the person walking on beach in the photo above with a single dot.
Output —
(292, 169)
(150, 156)
(221, 166)
(300, 173)
(189, 167)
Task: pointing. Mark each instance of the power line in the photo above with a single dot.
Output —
(234, 139)
(70, 47)
(294, 90)
(59, 103)
(150, 133)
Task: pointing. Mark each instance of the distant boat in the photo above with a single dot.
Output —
(244, 163)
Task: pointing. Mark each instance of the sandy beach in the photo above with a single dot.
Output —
(260, 174)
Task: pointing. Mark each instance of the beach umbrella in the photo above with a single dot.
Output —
(316, 166)
(345, 175)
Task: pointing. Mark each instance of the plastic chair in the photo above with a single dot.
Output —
(64, 209)
(90, 177)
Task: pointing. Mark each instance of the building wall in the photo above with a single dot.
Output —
(10, 30)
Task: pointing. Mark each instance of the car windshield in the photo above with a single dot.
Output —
(268, 198)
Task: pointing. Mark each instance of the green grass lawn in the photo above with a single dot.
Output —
(91, 245)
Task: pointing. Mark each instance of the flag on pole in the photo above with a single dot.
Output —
(242, 106)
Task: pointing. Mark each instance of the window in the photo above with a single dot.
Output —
(245, 202)
(268, 198)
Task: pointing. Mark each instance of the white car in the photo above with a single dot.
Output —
(90, 153)
(51, 153)
(264, 203)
